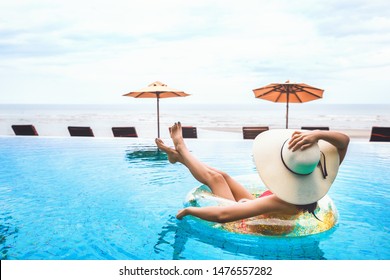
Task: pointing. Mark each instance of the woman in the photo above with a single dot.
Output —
(221, 184)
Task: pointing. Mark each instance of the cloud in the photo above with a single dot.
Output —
(211, 48)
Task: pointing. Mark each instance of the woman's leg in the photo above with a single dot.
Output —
(203, 174)
(239, 191)
(220, 183)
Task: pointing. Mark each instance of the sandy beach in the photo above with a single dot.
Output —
(358, 134)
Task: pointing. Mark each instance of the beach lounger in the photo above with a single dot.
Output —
(80, 131)
(380, 134)
(315, 127)
(25, 130)
(189, 131)
(128, 131)
(250, 132)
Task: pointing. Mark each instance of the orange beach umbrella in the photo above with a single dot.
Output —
(288, 93)
(157, 90)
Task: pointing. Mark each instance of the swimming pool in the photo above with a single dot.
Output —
(83, 198)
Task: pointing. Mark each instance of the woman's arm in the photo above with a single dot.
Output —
(237, 211)
(302, 140)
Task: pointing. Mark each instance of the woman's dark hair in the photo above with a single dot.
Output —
(309, 208)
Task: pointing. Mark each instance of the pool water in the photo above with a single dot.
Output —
(83, 198)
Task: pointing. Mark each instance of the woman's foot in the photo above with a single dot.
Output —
(177, 136)
(173, 155)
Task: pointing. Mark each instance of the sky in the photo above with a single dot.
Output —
(82, 52)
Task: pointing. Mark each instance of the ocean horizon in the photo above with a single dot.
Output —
(53, 119)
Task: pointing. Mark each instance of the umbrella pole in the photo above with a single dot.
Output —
(287, 110)
(158, 115)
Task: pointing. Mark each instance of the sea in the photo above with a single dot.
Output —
(212, 120)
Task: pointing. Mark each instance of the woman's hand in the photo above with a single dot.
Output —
(182, 213)
(302, 140)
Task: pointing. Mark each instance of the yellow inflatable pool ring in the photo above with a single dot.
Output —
(298, 225)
